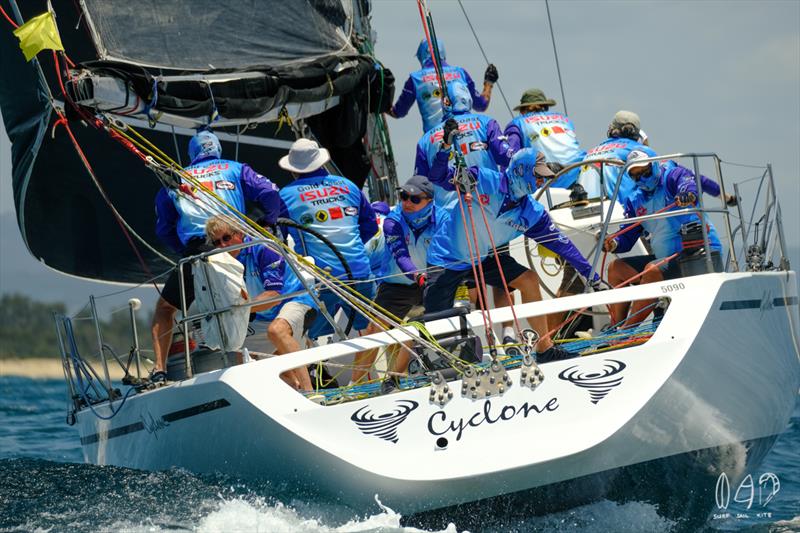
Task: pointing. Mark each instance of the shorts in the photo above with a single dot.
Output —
(334, 304)
(171, 293)
(442, 284)
(295, 313)
(398, 299)
(670, 269)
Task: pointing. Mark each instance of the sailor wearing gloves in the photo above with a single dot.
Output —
(422, 86)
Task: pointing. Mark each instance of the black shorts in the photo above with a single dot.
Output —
(442, 284)
(571, 282)
(171, 293)
(398, 299)
(670, 269)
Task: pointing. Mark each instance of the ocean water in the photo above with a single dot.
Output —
(45, 487)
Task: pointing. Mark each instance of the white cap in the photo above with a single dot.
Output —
(304, 156)
(635, 155)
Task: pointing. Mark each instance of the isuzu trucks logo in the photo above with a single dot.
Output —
(599, 383)
(383, 425)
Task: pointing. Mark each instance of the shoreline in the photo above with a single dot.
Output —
(44, 368)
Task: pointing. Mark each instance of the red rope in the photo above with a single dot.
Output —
(9, 19)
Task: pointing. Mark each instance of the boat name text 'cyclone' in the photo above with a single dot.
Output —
(439, 425)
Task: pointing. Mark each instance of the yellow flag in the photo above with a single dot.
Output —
(39, 33)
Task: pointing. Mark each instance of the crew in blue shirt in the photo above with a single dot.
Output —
(422, 86)
(337, 209)
(624, 135)
(408, 229)
(181, 217)
(510, 211)
(478, 137)
(553, 134)
(267, 277)
(658, 184)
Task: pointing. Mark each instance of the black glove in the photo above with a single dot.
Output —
(731, 200)
(555, 167)
(597, 284)
(491, 74)
(450, 131)
(685, 198)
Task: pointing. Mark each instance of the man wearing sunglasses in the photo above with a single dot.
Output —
(658, 185)
(181, 218)
(408, 229)
(336, 208)
(506, 200)
(283, 321)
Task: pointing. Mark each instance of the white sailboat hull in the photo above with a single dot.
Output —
(721, 372)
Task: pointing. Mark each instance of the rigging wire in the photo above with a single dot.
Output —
(486, 58)
(555, 53)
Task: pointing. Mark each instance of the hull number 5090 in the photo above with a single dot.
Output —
(672, 287)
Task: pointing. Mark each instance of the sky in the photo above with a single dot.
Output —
(704, 76)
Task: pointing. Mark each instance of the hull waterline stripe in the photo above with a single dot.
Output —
(169, 417)
(732, 305)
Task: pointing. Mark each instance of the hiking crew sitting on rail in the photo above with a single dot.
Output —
(624, 135)
(337, 209)
(658, 185)
(553, 134)
(510, 211)
(423, 87)
(267, 276)
(408, 229)
(181, 218)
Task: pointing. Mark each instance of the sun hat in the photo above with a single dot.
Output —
(304, 156)
(534, 97)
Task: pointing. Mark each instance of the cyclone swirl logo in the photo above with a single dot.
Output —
(598, 383)
(383, 425)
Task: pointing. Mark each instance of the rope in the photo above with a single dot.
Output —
(555, 53)
(474, 34)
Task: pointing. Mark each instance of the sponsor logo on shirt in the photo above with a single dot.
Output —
(325, 192)
(474, 147)
(351, 211)
(336, 212)
(484, 198)
(306, 219)
(321, 215)
(545, 118)
(448, 76)
(225, 185)
(641, 211)
(470, 125)
(209, 169)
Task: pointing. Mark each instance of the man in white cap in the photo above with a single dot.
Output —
(337, 209)
(624, 135)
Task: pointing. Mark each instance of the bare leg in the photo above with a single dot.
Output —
(161, 330)
(640, 308)
(528, 285)
(620, 271)
(364, 359)
(280, 333)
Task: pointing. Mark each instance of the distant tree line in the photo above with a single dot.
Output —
(27, 329)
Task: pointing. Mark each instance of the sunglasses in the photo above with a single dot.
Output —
(404, 196)
(645, 173)
(224, 239)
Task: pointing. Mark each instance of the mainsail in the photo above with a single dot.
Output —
(259, 73)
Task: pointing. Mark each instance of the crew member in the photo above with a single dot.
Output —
(337, 209)
(181, 217)
(658, 185)
(423, 86)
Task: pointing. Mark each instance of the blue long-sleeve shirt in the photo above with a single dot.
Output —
(422, 86)
(335, 207)
(180, 218)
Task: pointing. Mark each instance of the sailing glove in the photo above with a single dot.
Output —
(685, 198)
(491, 75)
(450, 131)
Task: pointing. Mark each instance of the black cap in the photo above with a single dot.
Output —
(418, 186)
